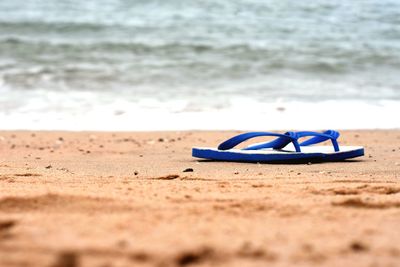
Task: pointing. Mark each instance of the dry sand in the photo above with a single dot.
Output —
(122, 199)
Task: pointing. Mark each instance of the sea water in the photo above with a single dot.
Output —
(178, 65)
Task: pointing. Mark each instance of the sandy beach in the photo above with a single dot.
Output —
(139, 199)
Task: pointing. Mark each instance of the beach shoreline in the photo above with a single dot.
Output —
(139, 198)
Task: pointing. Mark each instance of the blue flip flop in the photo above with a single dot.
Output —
(285, 148)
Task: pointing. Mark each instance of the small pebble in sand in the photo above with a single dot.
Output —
(160, 139)
(136, 173)
(60, 139)
(358, 246)
(236, 172)
(7, 224)
(66, 259)
(48, 167)
(12, 146)
(188, 170)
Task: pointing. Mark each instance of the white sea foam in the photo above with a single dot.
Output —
(93, 111)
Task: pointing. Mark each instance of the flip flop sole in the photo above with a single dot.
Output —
(320, 153)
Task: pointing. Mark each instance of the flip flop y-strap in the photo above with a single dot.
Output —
(281, 141)
(319, 138)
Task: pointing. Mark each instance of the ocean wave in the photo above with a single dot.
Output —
(46, 27)
(323, 59)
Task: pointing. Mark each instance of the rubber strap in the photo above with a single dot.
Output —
(320, 137)
(278, 143)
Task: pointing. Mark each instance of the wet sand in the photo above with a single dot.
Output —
(125, 199)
